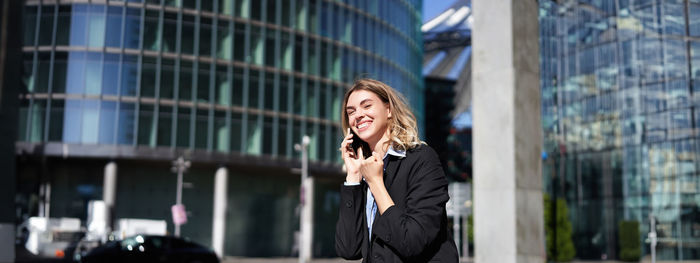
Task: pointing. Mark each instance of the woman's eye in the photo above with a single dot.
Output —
(350, 112)
(367, 106)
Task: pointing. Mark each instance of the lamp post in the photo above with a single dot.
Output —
(180, 166)
(306, 203)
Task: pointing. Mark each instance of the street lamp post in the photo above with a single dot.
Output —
(306, 203)
(180, 166)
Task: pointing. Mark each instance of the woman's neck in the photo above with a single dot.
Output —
(378, 146)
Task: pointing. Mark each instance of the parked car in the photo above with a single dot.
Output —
(151, 248)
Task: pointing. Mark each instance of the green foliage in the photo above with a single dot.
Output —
(629, 241)
(565, 250)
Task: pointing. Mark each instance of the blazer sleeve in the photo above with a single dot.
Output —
(349, 228)
(412, 229)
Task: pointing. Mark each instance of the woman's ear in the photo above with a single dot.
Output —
(389, 110)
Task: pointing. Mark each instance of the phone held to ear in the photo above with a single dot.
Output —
(357, 143)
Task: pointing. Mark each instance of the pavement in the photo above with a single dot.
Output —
(296, 260)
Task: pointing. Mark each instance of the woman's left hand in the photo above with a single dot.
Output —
(372, 169)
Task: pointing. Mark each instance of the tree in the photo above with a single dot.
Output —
(565, 250)
(629, 241)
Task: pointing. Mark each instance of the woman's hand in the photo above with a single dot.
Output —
(352, 162)
(372, 169)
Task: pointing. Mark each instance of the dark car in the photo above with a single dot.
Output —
(148, 248)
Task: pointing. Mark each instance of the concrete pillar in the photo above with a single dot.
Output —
(508, 208)
(307, 221)
(109, 192)
(220, 198)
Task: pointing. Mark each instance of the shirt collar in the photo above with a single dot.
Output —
(400, 154)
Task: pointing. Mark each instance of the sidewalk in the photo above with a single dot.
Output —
(296, 260)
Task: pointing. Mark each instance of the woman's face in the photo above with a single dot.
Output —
(368, 116)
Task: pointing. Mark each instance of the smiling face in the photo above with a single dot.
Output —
(367, 116)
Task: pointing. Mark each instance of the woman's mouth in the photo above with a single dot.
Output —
(362, 126)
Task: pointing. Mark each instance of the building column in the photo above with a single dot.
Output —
(109, 193)
(507, 138)
(10, 86)
(220, 199)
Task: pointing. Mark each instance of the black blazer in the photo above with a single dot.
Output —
(414, 229)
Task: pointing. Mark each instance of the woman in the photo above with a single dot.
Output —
(393, 200)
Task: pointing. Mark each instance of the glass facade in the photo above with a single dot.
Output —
(245, 79)
(228, 76)
(620, 118)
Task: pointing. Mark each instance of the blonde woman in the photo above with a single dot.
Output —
(393, 200)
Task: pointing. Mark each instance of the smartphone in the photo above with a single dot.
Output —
(357, 143)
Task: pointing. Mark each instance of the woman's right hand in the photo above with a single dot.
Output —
(352, 162)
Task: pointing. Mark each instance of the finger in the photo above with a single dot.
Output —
(359, 152)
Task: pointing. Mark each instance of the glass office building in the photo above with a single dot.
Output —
(232, 83)
(620, 117)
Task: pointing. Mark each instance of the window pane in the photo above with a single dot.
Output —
(270, 58)
(55, 121)
(205, 29)
(46, 25)
(188, 37)
(254, 89)
(183, 127)
(239, 42)
(96, 26)
(222, 86)
(148, 77)
(269, 93)
(267, 136)
(256, 45)
(42, 80)
(78, 26)
(127, 117)
(108, 114)
(36, 121)
(201, 133)
(221, 134)
(224, 40)
(110, 74)
(167, 76)
(169, 32)
(151, 34)
(243, 8)
(72, 119)
(90, 120)
(63, 27)
(129, 75)
(185, 84)
(30, 14)
(132, 28)
(113, 32)
(237, 89)
(254, 139)
(165, 123)
(76, 73)
(282, 138)
(236, 127)
(203, 83)
(147, 129)
(284, 93)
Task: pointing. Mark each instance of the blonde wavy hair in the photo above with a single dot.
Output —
(402, 125)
